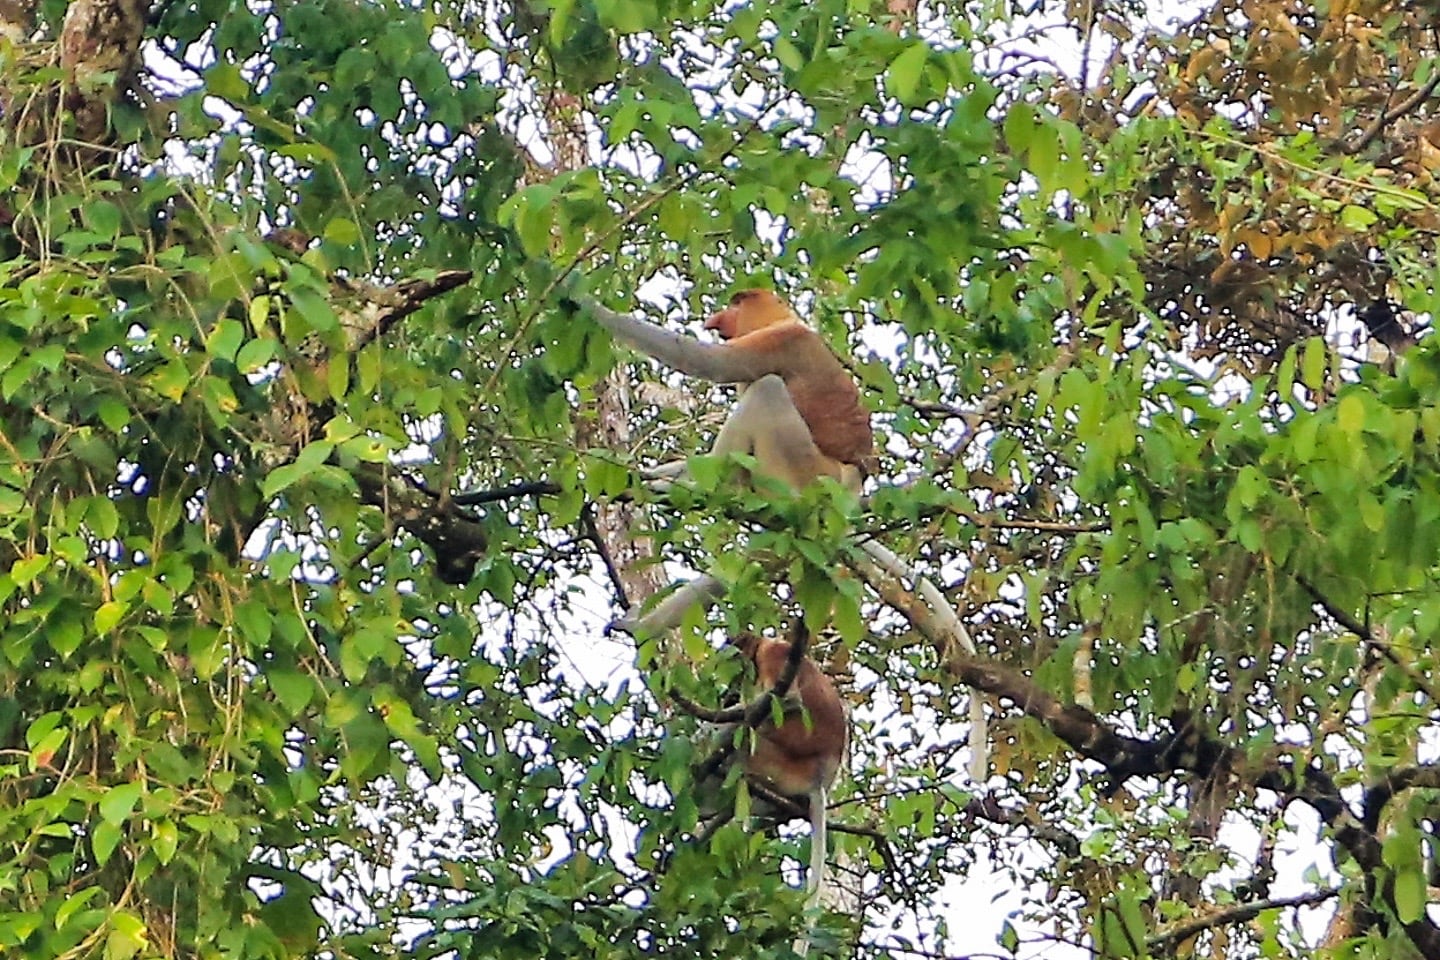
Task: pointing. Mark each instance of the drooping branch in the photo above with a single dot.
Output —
(1361, 630)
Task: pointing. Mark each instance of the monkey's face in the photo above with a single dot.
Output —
(749, 310)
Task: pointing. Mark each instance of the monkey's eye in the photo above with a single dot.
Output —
(741, 297)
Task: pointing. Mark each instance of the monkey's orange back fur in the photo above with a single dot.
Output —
(806, 749)
(759, 323)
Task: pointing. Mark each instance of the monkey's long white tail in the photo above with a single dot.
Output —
(816, 881)
(940, 620)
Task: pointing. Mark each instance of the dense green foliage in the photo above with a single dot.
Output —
(280, 281)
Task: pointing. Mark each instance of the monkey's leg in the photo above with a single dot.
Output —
(766, 425)
(704, 590)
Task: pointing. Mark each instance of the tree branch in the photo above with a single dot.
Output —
(395, 303)
(1398, 780)
(1343, 617)
(1388, 117)
(1235, 913)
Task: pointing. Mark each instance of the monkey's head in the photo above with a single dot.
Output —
(746, 642)
(750, 310)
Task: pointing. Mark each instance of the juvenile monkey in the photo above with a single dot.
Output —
(799, 757)
(804, 751)
(799, 412)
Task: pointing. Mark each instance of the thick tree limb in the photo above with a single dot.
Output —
(1124, 757)
(1396, 781)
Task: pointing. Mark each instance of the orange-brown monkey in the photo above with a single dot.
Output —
(799, 413)
(804, 752)
(799, 757)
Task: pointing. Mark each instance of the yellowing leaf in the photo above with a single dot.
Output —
(1351, 414)
(109, 614)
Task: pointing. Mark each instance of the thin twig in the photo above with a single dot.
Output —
(1367, 635)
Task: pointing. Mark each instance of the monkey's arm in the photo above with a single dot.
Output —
(715, 362)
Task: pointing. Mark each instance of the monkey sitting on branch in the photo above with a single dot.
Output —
(798, 415)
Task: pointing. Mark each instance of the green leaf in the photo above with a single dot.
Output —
(43, 753)
(293, 689)
(1409, 894)
(256, 354)
(225, 80)
(41, 728)
(342, 231)
(1312, 369)
(118, 802)
(314, 309)
(104, 838)
(164, 840)
(337, 379)
(1350, 414)
(102, 517)
(1020, 126)
(108, 615)
(311, 457)
(1357, 218)
(27, 569)
(103, 217)
(225, 339)
(902, 78)
(255, 623)
(788, 54)
(127, 937)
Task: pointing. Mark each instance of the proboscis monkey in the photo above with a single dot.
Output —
(799, 757)
(799, 413)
